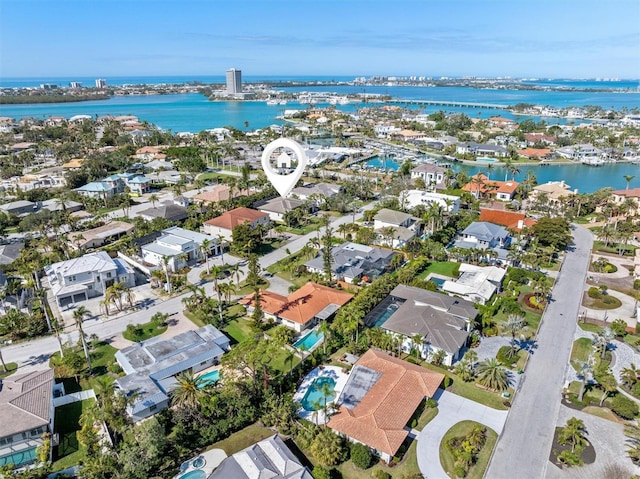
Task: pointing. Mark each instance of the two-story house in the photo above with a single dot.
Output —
(178, 247)
(26, 413)
(432, 175)
(395, 228)
(482, 235)
(86, 277)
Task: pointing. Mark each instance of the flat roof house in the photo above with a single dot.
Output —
(378, 400)
(26, 412)
(268, 459)
(224, 224)
(87, 276)
(353, 260)
(303, 308)
(151, 366)
(442, 321)
(96, 237)
(412, 198)
(477, 284)
(179, 246)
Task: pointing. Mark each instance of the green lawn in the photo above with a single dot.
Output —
(591, 328)
(470, 390)
(408, 467)
(580, 351)
(446, 268)
(242, 439)
(613, 248)
(144, 331)
(611, 302)
(11, 368)
(425, 418)
(67, 422)
(194, 318)
(239, 330)
(461, 429)
(280, 364)
(246, 289)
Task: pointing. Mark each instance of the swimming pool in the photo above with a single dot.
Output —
(392, 308)
(438, 281)
(197, 474)
(486, 160)
(315, 398)
(208, 379)
(309, 340)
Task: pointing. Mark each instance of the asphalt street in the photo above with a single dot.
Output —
(523, 448)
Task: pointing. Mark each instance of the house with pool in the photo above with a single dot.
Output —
(302, 309)
(378, 400)
(151, 366)
(442, 322)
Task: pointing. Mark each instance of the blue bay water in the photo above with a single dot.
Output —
(194, 112)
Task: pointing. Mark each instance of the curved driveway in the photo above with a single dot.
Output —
(451, 410)
(524, 446)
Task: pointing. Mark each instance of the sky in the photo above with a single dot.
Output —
(518, 38)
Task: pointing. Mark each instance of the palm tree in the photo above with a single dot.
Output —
(512, 325)
(629, 376)
(573, 433)
(205, 247)
(585, 369)
(4, 366)
(628, 179)
(187, 392)
(326, 332)
(216, 270)
(632, 431)
(78, 316)
(154, 199)
(601, 341)
(221, 240)
(492, 375)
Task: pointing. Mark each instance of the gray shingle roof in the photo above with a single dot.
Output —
(485, 231)
(25, 401)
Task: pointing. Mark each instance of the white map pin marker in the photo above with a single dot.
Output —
(283, 183)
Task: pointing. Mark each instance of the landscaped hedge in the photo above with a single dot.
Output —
(594, 293)
(624, 407)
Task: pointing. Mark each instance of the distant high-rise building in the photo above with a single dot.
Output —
(75, 84)
(234, 81)
(101, 83)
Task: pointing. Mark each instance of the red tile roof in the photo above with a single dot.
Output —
(235, 217)
(491, 186)
(302, 305)
(535, 152)
(380, 418)
(508, 219)
(631, 193)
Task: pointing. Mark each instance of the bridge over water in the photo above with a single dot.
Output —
(461, 104)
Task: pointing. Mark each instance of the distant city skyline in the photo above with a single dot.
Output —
(102, 38)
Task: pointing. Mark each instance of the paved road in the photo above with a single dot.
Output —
(451, 410)
(37, 352)
(523, 448)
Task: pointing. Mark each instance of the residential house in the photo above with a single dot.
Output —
(476, 284)
(219, 193)
(151, 366)
(19, 208)
(632, 196)
(57, 204)
(10, 252)
(535, 153)
(511, 220)
(482, 149)
(223, 225)
(579, 152)
(533, 138)
(500, 122)
(87, 276)
(381, 395)
(482, 235)
(481, 186)
(115, 184)
(149, 153)
(316, 190)
(178, 247)
(97, 237)
(553, 194)
(407, 135)
(269, 458)
(441, 321)
(411, 198)
(395, 228)
(277, 207)
(432, 175)
(26, 409)
(302, 309)
(167, 210)
(355, 262)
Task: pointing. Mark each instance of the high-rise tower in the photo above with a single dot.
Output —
(234, 81)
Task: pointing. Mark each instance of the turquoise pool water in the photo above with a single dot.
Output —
(438, 281)
(309, 340)
(208, 379)
(26, 456)
(314, 398)
(194, 475)
(486, 160)
(392, 308)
